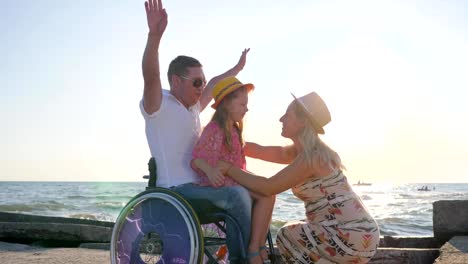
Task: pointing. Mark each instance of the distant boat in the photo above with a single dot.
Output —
(359, 183)
(424, 189)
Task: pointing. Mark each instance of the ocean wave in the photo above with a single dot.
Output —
(110, 205)
(452, 195)
(76, 197)
(374, 192)
(384, 232)
(113, 196)
(365, 197)
(51, 205)
(84, 216)
(392, 220)
(277, 223)
(414, 211)
(17, 208)
(405, 195)
(404, 229)
(395, 204)
(39, 206)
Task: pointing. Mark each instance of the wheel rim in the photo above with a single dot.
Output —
(162, 214)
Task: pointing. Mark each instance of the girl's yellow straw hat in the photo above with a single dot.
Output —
(227, 86)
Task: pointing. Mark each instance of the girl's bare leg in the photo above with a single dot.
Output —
(261, 218)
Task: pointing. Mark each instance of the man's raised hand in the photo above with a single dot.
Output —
(156, 16)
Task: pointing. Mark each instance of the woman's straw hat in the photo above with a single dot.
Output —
(227, 86)
(316, 110)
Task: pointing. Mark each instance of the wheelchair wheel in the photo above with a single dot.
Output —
(157, 226)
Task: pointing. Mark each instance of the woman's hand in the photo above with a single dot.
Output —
(223, 167)
(215, 176)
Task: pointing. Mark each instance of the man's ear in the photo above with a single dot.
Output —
(175, 80)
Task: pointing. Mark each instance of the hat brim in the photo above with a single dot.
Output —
(248, 86)
(317, 128)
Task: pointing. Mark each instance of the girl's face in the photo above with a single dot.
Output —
(292, 125)
(237, 107)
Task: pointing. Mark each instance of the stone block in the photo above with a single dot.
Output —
(454, 251)
(65, 232)
(405, 255)
(14, 217)
(450, 218)
(409, 242)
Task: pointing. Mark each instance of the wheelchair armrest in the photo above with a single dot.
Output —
(153, 173)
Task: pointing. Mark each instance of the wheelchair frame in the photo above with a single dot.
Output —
(188, 214)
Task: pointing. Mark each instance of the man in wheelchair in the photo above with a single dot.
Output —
(172, 126)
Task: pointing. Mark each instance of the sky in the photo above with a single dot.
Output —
(393, 73)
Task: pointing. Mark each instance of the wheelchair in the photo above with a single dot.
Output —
(159, 226)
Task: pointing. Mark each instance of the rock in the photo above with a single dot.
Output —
(409, 242)
(52, 231)
(14, 247)
(64, 232)
(450, 218)
(454, 251)
(15, 217)
(405, 255)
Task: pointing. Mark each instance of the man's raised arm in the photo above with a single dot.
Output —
(207, 96)
(157, 22)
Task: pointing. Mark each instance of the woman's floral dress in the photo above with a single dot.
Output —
(338, 228)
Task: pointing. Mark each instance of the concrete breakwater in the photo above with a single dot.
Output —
(448, 245)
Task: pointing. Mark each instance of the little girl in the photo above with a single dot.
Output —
(222, 139)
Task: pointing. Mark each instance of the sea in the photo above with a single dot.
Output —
(400, 210)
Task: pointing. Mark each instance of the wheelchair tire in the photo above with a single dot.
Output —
(157, 226)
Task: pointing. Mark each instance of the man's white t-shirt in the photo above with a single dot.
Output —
(172, 132)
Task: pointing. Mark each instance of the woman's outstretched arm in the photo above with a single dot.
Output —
(276, 154)
(295, 173)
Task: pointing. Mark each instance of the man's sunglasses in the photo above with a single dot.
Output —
(197, 83)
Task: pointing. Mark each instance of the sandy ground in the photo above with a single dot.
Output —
(23, 254)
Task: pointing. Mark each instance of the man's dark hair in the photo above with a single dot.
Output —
(179, 66)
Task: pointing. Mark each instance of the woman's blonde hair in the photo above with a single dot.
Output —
(315, 151)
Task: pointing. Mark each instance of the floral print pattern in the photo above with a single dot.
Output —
(338, 228)
(211, 148)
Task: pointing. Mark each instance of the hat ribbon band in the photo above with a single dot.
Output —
(225, 88)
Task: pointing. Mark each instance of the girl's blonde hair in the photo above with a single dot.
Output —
(221, 116)
(315, 151)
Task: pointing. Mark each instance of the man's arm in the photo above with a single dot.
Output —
(157, 22)
(276, 154)
(207, 93)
